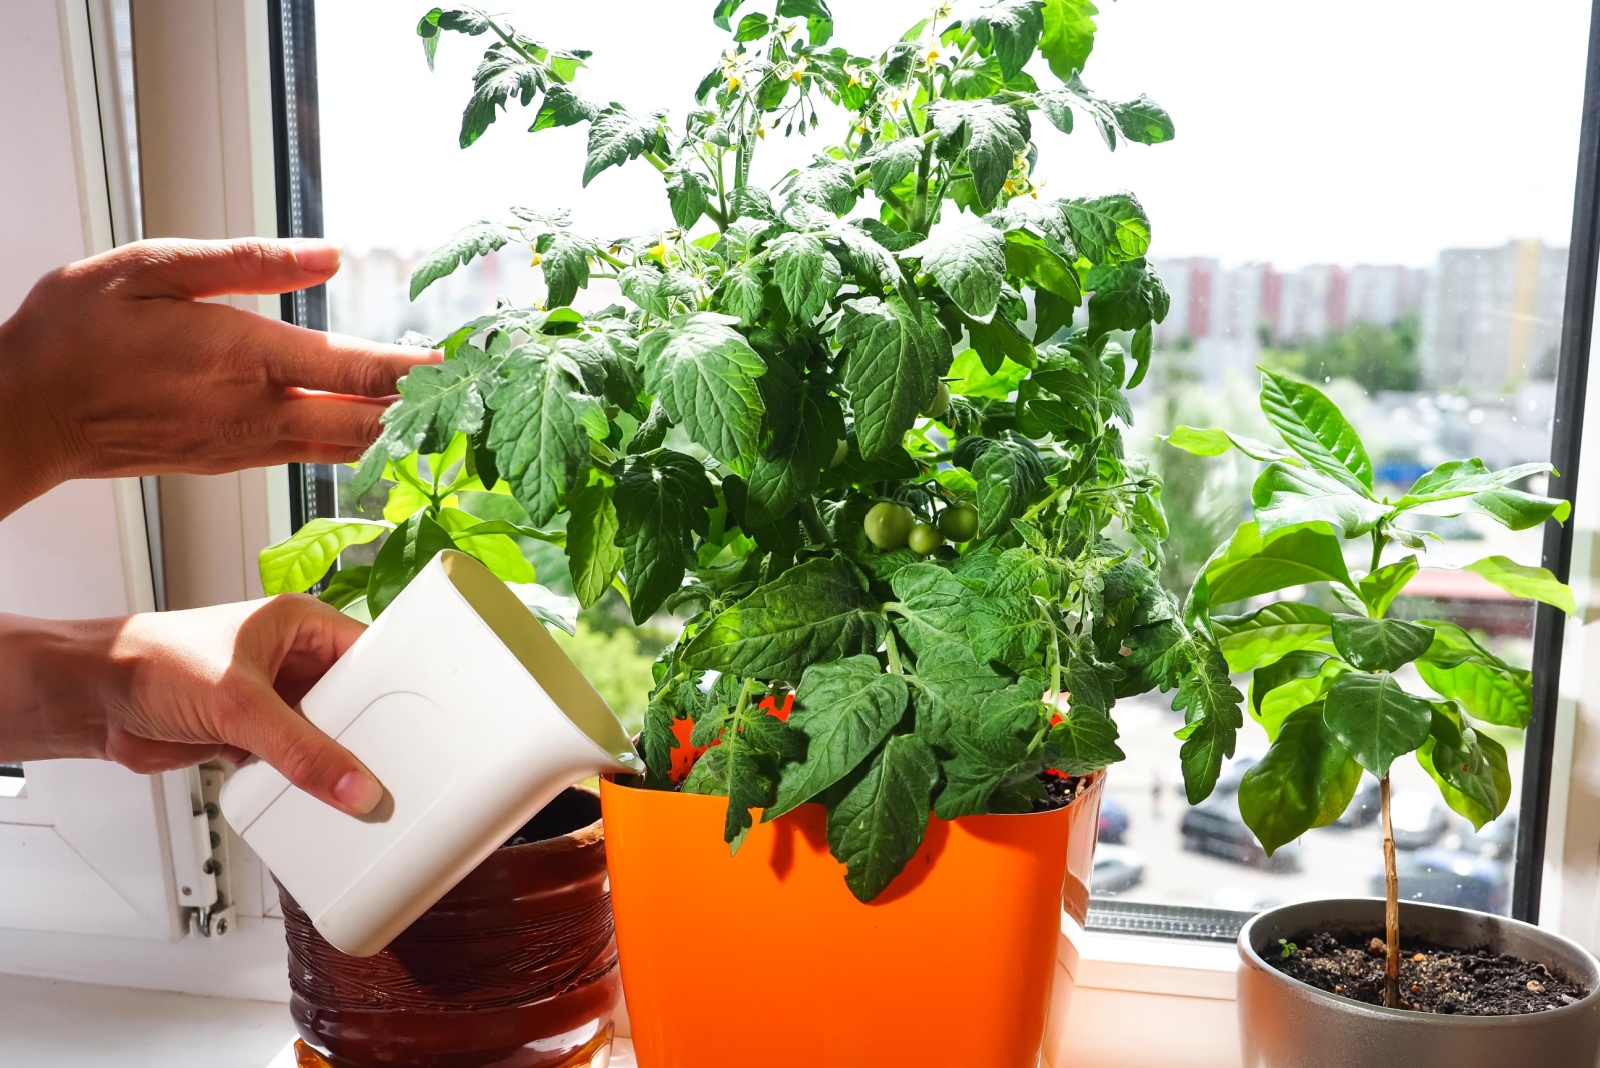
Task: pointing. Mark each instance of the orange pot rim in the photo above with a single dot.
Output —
(1092, 780)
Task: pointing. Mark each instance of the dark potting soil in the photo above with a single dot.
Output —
(1060, 790)
(1463, 982)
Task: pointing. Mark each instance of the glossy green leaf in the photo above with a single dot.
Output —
(1379, 644)
(1213, 442)
(1379, 589)
(1246, 566)
(299, 562)
(488, 543)
(402, 557)
(1376, 719)
(1287, 496)
(1258, 638)
(1041, 261)
(1314, 427)
(1459, 669)
(1292, 682)
(1305, 780)
(1535, 583)
(1470, 768)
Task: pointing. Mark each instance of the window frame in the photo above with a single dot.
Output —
(1121, 963)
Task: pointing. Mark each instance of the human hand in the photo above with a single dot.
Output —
(166, 690)
(114, 366)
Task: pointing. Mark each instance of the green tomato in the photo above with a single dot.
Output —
(940, 403)
(840, 451)
(959, 523)
(924, 539)
(888, 524)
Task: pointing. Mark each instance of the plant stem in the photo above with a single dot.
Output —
(812, 521)
(1378, 542)
(894, 653)
(1391, 906)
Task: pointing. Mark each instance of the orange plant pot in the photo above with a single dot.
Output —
(765, 958)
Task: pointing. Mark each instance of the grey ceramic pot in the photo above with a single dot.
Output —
(1284, 1023)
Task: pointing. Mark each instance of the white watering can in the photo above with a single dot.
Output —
(471, 717)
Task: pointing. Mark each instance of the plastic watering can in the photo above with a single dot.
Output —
(472, 718)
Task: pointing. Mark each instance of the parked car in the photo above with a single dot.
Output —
(1419, 820)
(1497, 839)
(1449, 877)
(1215, 827)
(1113, 820)
(1365, 807)
(1116, 868)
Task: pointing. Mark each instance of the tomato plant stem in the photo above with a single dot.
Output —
(1391, 906)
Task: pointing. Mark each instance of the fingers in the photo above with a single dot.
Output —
(331, 420)
(192, 270)
(304, 755)
(335, 363)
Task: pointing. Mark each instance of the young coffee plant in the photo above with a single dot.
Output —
(861, 432)
(1323, 684)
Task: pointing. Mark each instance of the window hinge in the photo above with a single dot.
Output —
(200, 862)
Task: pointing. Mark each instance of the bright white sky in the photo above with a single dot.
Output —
(1368, 131)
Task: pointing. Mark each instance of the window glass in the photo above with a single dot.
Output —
(1376, 200)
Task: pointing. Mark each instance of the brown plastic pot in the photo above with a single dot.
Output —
(1284, 1023)
(514, 968)
(765, 958)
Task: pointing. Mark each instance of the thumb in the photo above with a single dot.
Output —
(193, 270)
(306, 757)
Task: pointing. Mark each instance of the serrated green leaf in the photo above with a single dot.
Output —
(845, 708)
(1305, 780)
(1109, 229)
(1212, 717)
(1068, 35)
(890, 370)
(503, 74)
(968, 263)
(564, 259)
(987, 134)
(299, 562)
(662, 498)
(740, 293)
(1041, 261)
(1009, 30)
(930, 607)
(876, 827)
(688, 194)
(704, 373)
(437, 401)
(819, 20)
(1376, 719)
(969, 377)
(892, 161)
(805, 274)
(466, 244)
(816, 611)
(1126, 296)
(542, 427)
(949, 682)
(1314, 427)
(593, 557)
(616, 135)
(1008, 474)
(1084, 741)
(1143, 121)
(778, 483)
(563, 106)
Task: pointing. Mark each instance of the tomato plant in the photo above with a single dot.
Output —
(905, 331)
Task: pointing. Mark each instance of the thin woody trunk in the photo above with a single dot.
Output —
(1391, 906)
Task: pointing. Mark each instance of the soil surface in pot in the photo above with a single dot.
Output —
(571, 811)
(1461, 982)
(1060, 790)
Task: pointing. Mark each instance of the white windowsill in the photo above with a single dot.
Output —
(1120, 981)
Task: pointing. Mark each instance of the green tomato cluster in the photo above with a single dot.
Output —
(893, 526)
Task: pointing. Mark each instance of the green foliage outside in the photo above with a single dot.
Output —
(1374, 357)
